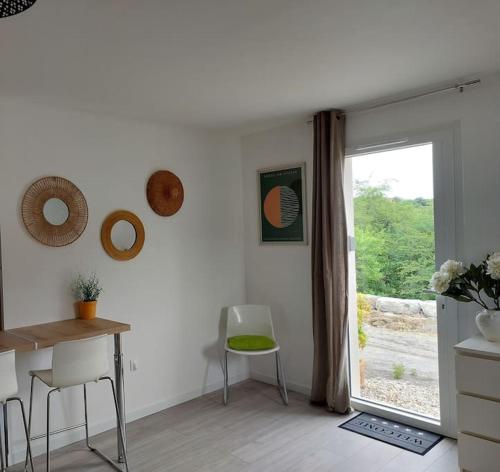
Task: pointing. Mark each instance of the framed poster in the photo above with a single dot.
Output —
(282, 205)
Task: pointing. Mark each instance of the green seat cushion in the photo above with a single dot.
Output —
(251, 342)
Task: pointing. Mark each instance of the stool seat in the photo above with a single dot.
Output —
(44, 375)
(254, 352)
(47, 377)
(8, 383)
(6, 394)
(251, 342)
(76, 363)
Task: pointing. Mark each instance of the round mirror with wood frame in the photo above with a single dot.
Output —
(119, 253)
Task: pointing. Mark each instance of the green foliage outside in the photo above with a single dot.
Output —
(394, 243)
(398, 371)
(363, 311)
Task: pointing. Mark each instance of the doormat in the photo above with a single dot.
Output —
(398, 434)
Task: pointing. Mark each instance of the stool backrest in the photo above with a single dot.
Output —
(249, 319)
(79, 362)
(8, 377)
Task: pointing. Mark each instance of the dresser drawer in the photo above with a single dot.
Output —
(478, 376)
(478, 455)
(478, 416)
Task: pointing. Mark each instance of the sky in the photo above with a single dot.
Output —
(408, 171)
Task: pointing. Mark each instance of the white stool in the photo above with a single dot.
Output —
(77, 363)
(253, 320)
(8, 388)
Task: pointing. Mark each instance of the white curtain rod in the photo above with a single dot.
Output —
(459, 86)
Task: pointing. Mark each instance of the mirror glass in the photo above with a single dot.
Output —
(55, 211)
(123, 235)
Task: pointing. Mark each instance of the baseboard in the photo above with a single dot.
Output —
(293, 386)
(18, 448)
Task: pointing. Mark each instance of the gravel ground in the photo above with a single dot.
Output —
(415, 350)
(423, 399)
(410, 343)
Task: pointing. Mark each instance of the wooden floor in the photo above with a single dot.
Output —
(254, 433)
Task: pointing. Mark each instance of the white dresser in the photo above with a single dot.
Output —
(478, 403)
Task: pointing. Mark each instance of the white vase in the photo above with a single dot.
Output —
(488, 322)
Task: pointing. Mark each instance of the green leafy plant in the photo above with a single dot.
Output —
(87, 289)
(398, 371)
(363, 311)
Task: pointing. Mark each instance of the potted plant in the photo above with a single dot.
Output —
(87, 291)
(479, 284)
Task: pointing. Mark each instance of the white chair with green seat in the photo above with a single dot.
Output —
(250, 332)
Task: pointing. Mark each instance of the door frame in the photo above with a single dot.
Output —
(447, 211)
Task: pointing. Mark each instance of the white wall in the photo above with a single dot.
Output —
(280, 276)
(172, 293)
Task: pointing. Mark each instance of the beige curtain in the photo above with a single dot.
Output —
(330, 265)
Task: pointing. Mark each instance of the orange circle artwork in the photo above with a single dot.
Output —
(281, 206)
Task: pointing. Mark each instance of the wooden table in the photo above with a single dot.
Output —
(48, 334)
(32, 338)
(8, 342)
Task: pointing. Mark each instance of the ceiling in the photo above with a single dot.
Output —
(235, 63)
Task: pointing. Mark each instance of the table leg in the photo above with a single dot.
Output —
(120, 396)
(6, 434)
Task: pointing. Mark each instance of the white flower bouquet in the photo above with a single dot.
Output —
(479, 284)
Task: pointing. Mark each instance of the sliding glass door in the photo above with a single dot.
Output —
(401, 336)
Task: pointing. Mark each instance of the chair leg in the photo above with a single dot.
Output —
(226, 380)
(2, 463)
(6, 434)
(25, 425)
(280, 377)
(121, 433)
(30, 412)
(48, 428)
(86, 416)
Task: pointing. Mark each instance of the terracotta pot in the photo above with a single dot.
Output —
(87, 310)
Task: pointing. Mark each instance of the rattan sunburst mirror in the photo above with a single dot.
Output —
(54, 211)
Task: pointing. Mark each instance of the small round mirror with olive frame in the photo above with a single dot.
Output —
(122, 235)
